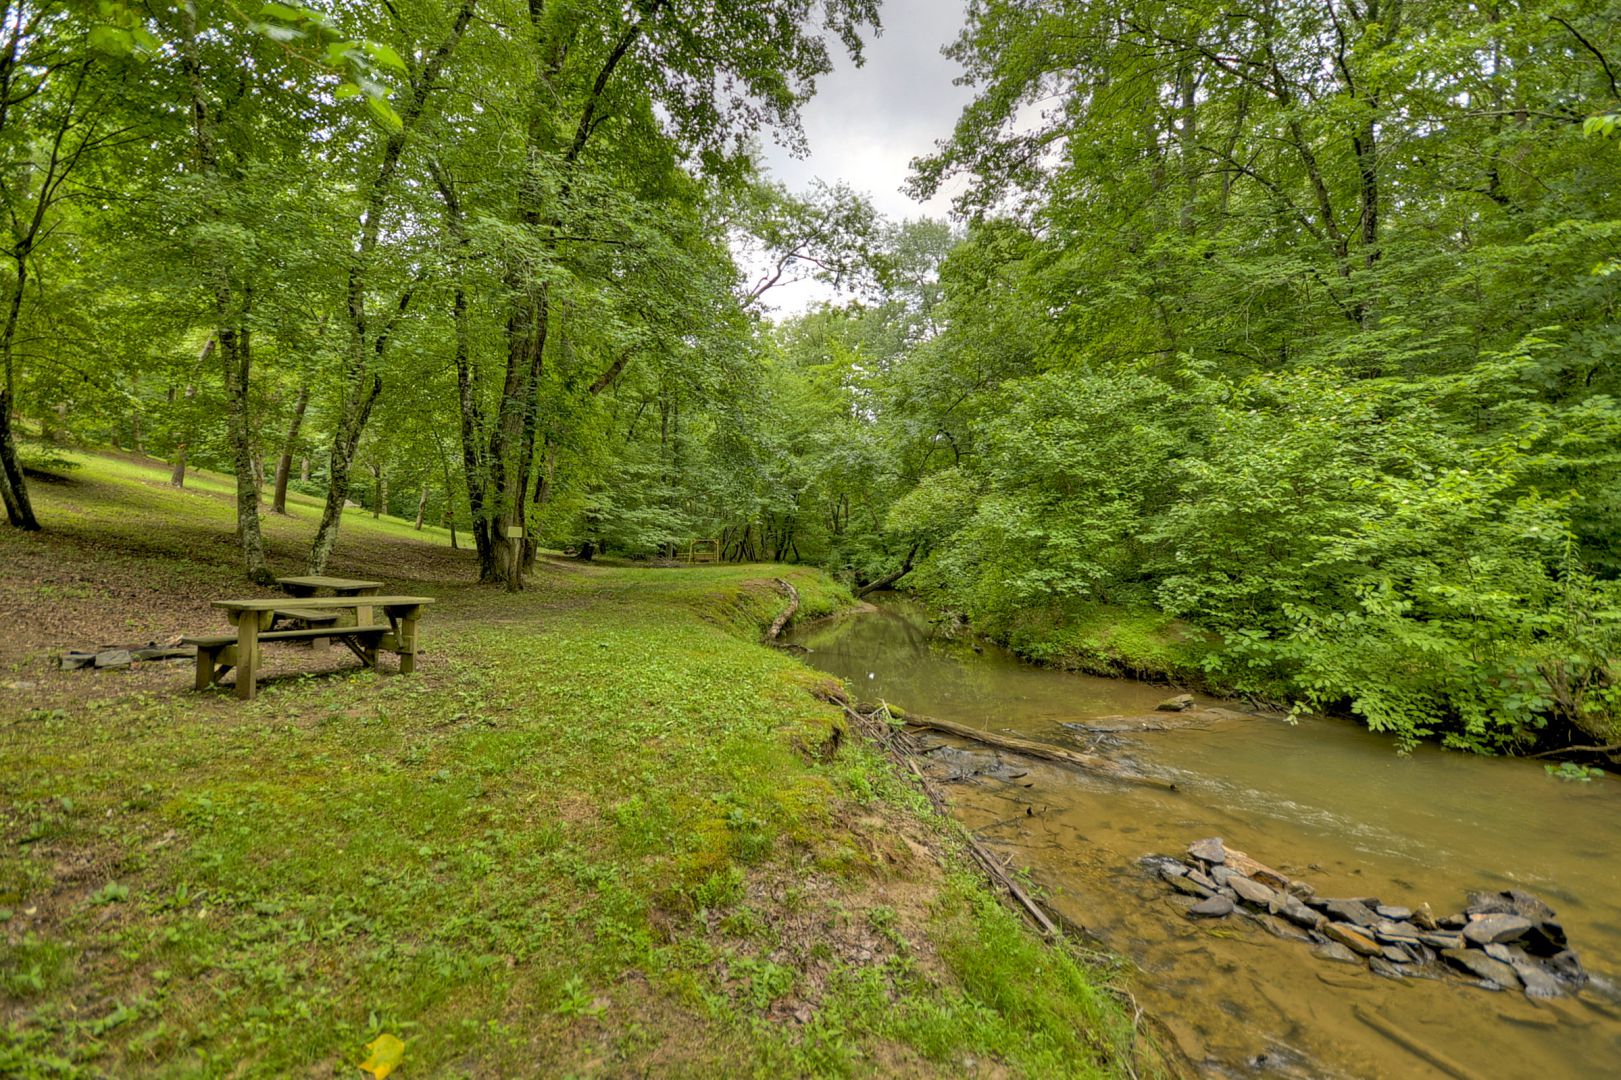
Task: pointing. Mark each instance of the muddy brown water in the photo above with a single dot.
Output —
(1324, 800)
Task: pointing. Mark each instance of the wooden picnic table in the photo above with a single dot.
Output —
(310, 585)
(254, 621)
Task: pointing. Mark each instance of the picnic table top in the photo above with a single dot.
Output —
(283, 603)
(321, 581)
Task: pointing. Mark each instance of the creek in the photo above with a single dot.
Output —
(1320, 799)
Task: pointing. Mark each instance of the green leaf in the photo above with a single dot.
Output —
(283, 12)
(385, 56)
(384, 114)
(112, 40)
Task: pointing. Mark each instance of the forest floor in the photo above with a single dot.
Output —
(601, 831)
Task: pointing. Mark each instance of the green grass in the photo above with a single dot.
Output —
(602, 831)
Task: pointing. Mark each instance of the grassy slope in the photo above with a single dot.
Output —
(600, 832)
(1101, 639)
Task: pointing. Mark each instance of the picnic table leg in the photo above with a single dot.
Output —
(363, 612)
(406, 642)
(205, 667)
(247, 652)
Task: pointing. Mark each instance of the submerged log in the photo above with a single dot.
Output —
(1044, 751)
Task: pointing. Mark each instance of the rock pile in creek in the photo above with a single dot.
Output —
(1506, 940)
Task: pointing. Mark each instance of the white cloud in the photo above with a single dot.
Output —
(866, 124)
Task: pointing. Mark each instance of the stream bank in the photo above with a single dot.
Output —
(1320, 799)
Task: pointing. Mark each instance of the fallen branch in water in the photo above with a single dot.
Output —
(782, 620)
(890, 578)
(1044, 751)
(1611, 749)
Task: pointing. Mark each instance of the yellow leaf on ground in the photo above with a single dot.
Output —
(386, 1052)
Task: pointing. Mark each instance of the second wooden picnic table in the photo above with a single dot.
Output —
(311, 585)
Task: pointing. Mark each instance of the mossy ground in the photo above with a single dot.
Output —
(601, 831)
(1104, 639)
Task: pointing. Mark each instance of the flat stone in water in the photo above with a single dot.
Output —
(1333, 950)
(1397, 955)
(1352, 938)
(1296, 912)
(1424, 918)
(1567, 965)
(1509, 902)
(1538, 982)
(1441, 939)
(1252, 891)
(1259, 871)
(1482, 966)
(1211, 851)
(1164, 865)
(1393, 913)
(1187, 886)
(1403, 932)
(1176, 704)
(1490, 928)
(1351, 911)
(1500, 952)
(1545, 938)
(1201, 879)
(1215, 907)
(1281, 928)
(1385, 968)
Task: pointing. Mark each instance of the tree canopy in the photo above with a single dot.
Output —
(1292, 322)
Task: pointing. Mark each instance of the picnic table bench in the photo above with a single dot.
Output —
(255, 621)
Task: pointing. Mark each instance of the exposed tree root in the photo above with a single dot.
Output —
(793, 608)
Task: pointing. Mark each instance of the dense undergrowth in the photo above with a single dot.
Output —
(600, 832)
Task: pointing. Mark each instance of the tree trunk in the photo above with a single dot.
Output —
(13, 489)
(376, 490)
(285, 465)
(368, 338)
(422, 506)
(467, 380)
(304, 469)
(13, 485)
(136, 442)
(344, 444)
(236, 361)
(178, 477)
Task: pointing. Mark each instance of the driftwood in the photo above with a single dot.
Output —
(782, 620)
(1044, 751)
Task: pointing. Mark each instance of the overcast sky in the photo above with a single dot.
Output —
(866, 124)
